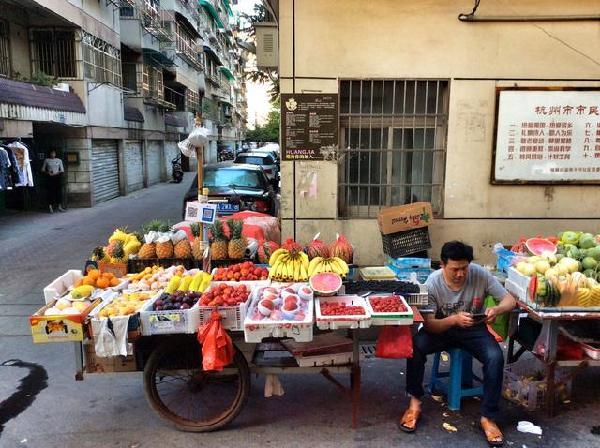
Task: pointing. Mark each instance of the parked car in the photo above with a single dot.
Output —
(236, 187)
(268, 162)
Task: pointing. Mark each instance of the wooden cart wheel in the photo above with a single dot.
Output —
(194, 400)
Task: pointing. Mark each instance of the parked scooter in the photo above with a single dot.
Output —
(177, 172)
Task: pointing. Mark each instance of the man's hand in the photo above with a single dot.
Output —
(463, 320)
(492, 313)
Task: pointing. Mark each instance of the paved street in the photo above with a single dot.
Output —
(111, 410)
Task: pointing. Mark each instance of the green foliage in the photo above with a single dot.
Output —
(267, 133)
(43, 79)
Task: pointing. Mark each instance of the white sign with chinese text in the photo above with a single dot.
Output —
(548, 136)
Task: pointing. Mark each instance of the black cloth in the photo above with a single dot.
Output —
(54, 184)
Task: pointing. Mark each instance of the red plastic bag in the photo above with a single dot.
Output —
(217, 348)
(394, 342)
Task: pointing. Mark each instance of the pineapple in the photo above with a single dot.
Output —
(98, 254)
(183, 249)
(164, 250)
(154, 225)
(147, 251)
(118, 253)
(237, 245)
(198, 246)
(218, 247)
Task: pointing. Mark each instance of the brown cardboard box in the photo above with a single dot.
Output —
(97, 364)
(405, 217)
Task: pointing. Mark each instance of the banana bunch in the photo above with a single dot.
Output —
(288, 266)
(335, 264)
(588, 296)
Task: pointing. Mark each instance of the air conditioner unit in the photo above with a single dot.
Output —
(267, 45)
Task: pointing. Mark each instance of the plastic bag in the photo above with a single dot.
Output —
(217, 348)
(500, 325)
(186, 148)
(394, 342)
(198, 137)
(111, 337)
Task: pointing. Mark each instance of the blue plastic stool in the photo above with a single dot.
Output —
(460, 378)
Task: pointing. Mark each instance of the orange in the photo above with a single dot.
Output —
(89, 281)
(103, 283)
(114, 281)
(94, 273)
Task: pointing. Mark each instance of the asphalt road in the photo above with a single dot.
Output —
(111, 410)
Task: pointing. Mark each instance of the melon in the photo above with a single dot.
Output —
(325, 283)
(540, 246)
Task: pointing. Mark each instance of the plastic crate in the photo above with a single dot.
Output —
(135, 265)
(520, 387)
(169, 321)
(420, 298)
(409, 262)
(256, 330)
(404, 243)
(377, 273)
(395, 318)
(333, 359)
(233, 315)
(341, 321)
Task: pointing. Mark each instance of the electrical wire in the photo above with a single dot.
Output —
(463, 16)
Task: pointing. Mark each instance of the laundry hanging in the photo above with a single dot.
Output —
(21, 153)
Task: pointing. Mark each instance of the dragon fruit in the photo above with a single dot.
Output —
(317, 248)
(342, 248)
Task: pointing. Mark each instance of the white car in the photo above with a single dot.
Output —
(266, 160)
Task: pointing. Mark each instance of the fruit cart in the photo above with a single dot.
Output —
(194, 400)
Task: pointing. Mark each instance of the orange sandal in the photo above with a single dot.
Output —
(492, 434)
(409, 420)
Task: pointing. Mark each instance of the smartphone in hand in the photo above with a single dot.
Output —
(478, 317)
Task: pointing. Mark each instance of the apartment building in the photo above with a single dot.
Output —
(113, 86)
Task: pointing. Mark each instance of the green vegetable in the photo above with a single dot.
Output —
(586, 241)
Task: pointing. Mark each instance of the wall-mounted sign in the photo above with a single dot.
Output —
(309, 126)
(547, 137)
(200, 212)
(72, 157)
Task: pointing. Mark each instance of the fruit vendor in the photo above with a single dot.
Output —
(457, 319)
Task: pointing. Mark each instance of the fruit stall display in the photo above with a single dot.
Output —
(560, 271)
(336, 312)
(246, 271)
(389, 310)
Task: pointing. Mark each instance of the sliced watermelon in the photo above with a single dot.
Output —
(540, 246)
(325, 283)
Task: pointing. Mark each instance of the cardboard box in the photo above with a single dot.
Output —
(58, 328)
(97, 364)
(405, 217)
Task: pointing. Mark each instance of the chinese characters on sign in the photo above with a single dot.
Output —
(309, 124)
(548, 136)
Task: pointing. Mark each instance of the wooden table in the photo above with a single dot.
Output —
(547, 343)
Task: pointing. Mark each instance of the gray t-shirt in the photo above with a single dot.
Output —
(479, 284)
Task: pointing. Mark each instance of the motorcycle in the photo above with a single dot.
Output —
(177, 171)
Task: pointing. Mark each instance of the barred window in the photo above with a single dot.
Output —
(101, 61)
(53, 52)
(193, 101)
(392, 144)
(4, 49)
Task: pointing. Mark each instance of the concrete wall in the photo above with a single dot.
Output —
(78, 176)
(399, 39)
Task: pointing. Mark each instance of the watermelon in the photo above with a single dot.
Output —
(540, 246)
(325, 283)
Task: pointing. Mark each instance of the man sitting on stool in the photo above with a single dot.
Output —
(456, 319)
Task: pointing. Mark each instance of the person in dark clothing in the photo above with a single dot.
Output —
(457, 319)
(54, 170)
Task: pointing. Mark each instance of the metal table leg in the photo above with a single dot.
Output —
(78, 361)
(355, 377)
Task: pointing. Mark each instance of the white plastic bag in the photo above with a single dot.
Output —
(111, 339)
(151, 237)
(178, 236)
(252, 248)
(198, 137)
(186, 148)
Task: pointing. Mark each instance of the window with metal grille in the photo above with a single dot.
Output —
(101, 61)
(4, 49)
(392, 144)
(193, 101)
(53, 52)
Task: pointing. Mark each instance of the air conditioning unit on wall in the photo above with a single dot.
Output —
(267, 45)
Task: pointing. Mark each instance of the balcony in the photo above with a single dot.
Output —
(145, 81)
(149, 14)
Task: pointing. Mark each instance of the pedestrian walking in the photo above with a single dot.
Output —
(54, 170)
